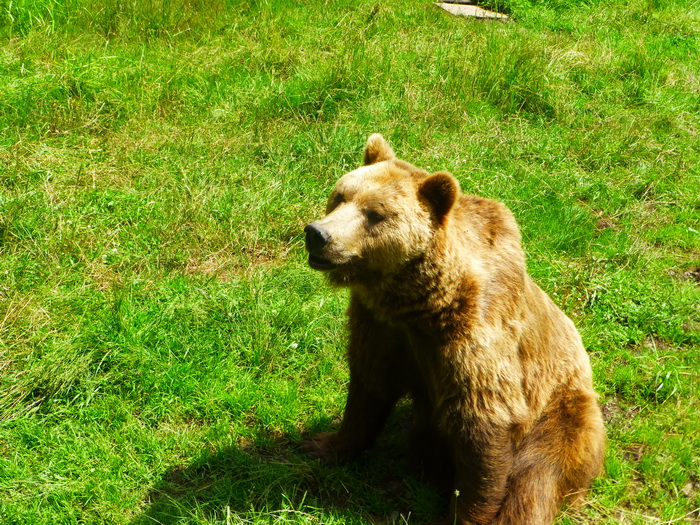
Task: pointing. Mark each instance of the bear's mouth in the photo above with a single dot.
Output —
(319, 263)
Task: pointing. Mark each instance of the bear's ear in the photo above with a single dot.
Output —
(377, 150)
(439, 191)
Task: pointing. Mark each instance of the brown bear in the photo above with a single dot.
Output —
(443, 310)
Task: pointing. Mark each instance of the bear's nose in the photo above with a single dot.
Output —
(317, 237)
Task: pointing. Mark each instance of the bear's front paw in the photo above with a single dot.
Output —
(326, 446)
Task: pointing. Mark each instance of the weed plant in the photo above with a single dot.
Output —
(163, 345)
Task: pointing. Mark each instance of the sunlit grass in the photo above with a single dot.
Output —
(162, 343)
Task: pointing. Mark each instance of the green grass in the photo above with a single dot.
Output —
(163, 345)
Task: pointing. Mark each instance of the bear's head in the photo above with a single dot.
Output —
(379, 217)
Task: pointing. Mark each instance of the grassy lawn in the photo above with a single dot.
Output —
(163, 345)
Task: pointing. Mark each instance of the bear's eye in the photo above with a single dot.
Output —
(336, 200)
(374, 217)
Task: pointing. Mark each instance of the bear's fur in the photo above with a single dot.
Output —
(442, 309)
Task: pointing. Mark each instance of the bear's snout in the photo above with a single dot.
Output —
(317, 237)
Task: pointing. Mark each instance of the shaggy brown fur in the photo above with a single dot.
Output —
(442, 309)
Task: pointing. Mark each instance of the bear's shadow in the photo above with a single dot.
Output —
(272, 477)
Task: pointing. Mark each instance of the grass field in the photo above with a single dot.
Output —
(163, 345)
